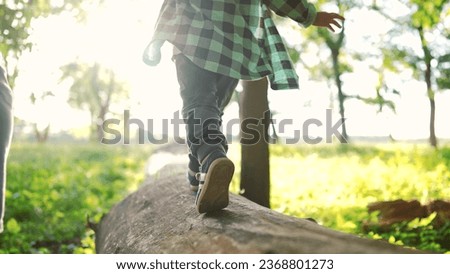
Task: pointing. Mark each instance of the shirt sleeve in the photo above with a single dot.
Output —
(298, 10)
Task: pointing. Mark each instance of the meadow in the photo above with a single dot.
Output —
(334, 185)
(56, 192)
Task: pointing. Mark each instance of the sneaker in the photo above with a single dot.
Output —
(213, 192)
(193, 169)
(192, 180)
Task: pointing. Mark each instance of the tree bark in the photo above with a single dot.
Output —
(335, 47)
(341, 95)
(41, 136)
(430, 92)
(161, 218)
(255, 158)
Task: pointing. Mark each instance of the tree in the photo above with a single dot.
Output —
(425, 21)
(255, 158)
(382, 89)
(94, 89)
(256, 118)
(335, 59)
(335, 43)
(16, 24)
(40, 133)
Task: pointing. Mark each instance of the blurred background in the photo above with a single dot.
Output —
(75, 64)
(381, 66)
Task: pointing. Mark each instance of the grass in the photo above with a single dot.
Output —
(53, 190)
(334, 185)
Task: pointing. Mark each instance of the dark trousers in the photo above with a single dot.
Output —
(205, 95)
(5, 136)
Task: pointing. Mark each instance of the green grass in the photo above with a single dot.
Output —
(334, 185)
(53, 189)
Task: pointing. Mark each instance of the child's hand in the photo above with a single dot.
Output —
(326, 19)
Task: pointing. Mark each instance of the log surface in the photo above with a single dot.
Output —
(161, 218)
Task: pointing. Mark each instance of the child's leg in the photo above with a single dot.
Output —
(193, 169)
(225, 89)
(202, 91)
(203, 94)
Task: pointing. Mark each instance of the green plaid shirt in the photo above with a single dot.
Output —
(237, 38)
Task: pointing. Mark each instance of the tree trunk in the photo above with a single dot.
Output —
(433, 138)
(430, 92)
(41, 136)
(255, 122)
(99, 124)
(161, 218)
(341, 95)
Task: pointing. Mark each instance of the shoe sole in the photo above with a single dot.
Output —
(214, 194)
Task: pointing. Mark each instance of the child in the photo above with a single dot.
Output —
(5, 134)
(217, 43)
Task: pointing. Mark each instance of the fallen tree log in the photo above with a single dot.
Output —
(161, 218)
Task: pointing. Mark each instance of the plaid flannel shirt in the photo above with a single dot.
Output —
(237, 38)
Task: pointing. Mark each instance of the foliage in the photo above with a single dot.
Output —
(94, 89)
(444, 68)
(331, 68)
(425, 20)
(420, 233)
(334, 185)
(52, 190)
(16, 22)
(424, 17)
(49, 201)
(427, 13)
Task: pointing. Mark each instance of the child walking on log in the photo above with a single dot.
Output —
(216, 44)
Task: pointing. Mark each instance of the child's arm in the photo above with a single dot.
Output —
(300, 11)
(304, 13)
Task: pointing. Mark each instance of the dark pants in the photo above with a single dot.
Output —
(205, 95)
(5, 136)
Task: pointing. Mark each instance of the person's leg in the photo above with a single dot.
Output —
(5, 136)
(198, 89)
(193, 169)
(225, 88)
(201, 92)
(217, 169)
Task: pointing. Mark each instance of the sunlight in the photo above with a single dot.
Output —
(115, 36)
